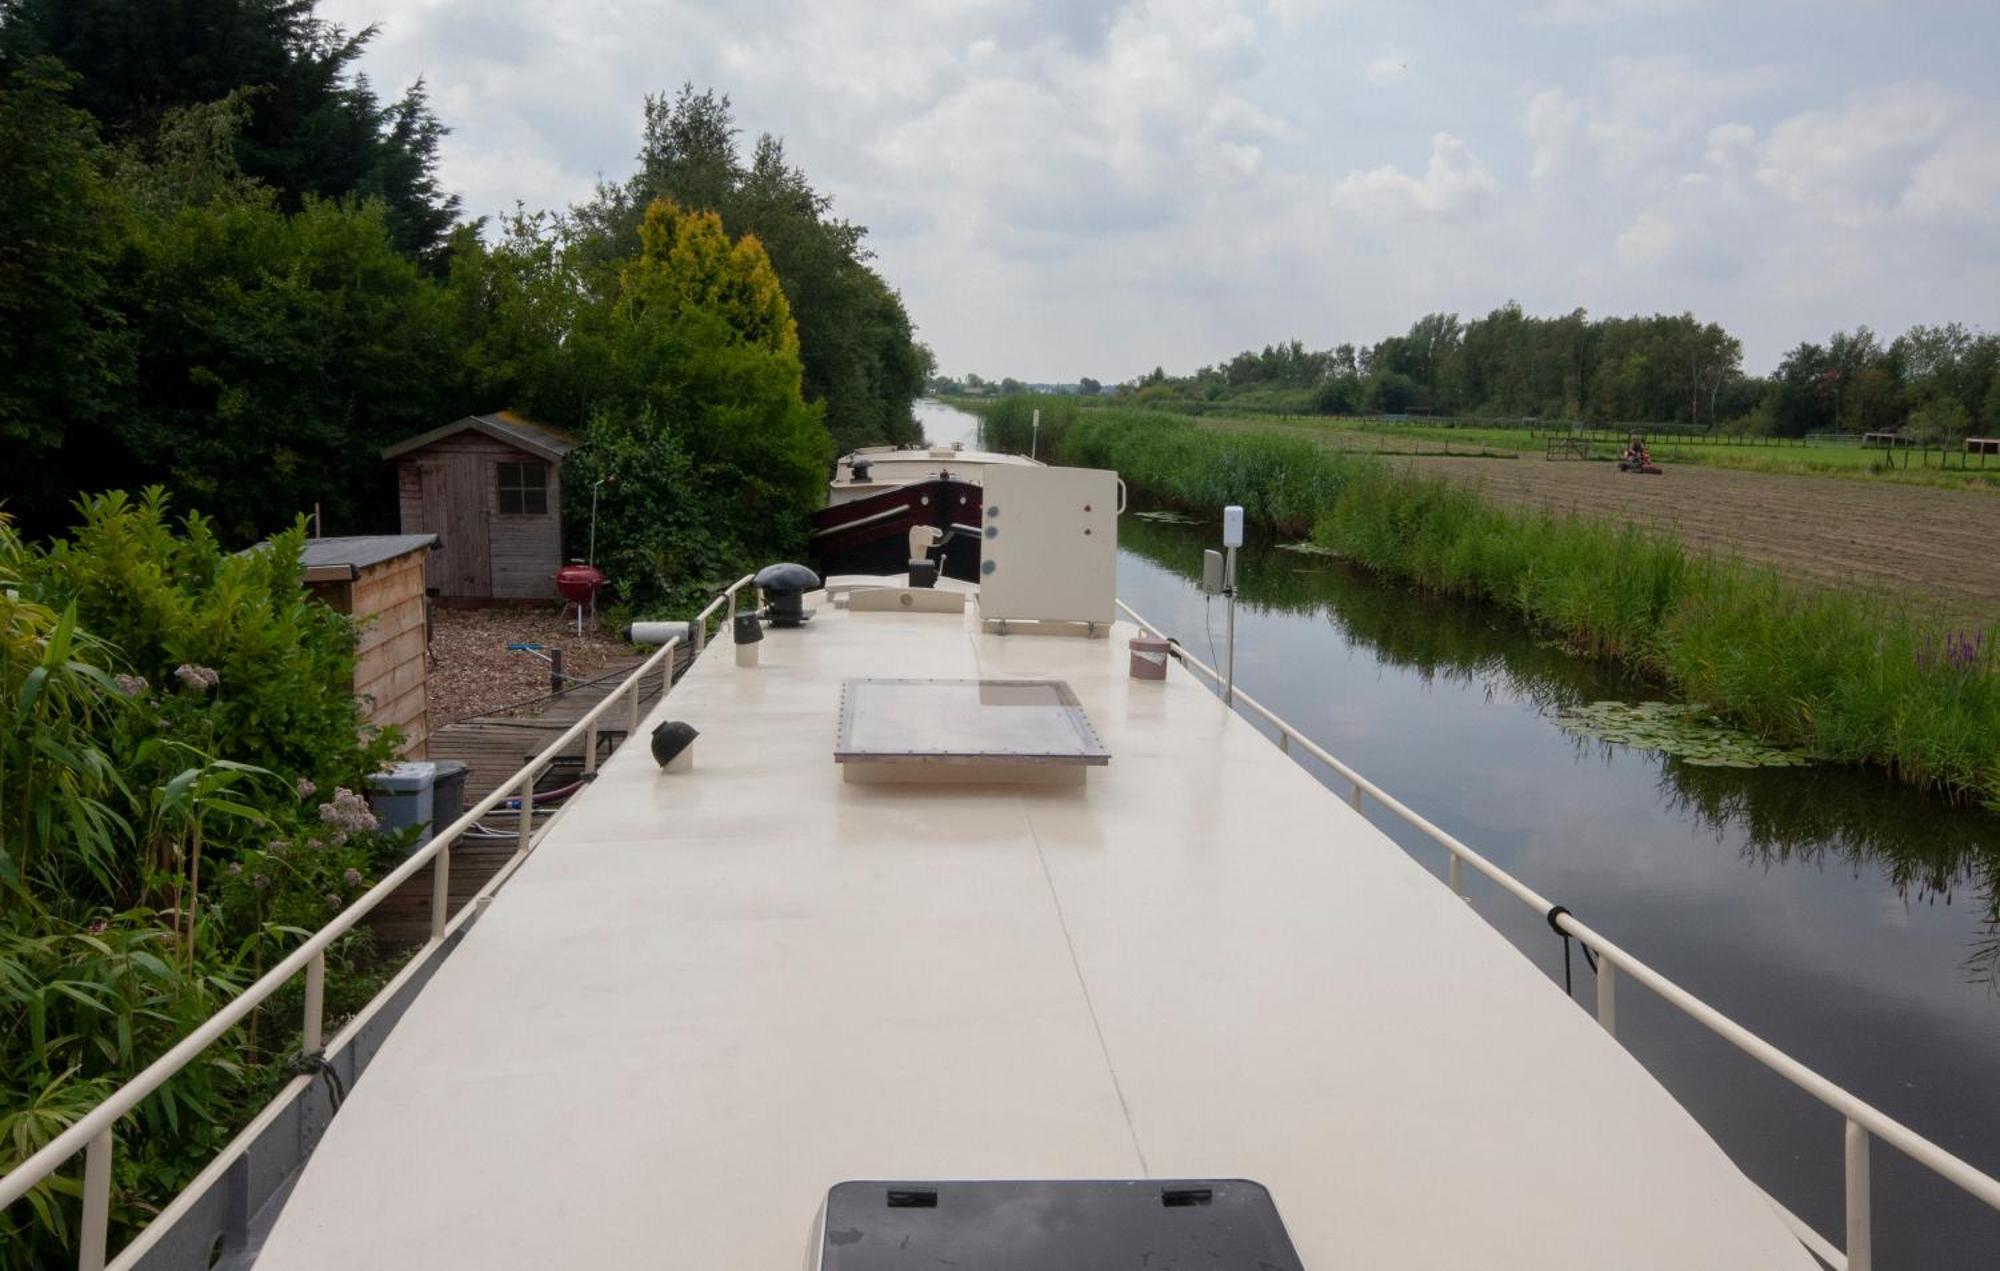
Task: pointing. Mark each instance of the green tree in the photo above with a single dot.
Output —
(316, 129)
(699, 408)
(856, 342)
(65, 353)
(292, 347)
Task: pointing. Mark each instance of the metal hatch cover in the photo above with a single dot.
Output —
(1060, 1225)
(965, 722)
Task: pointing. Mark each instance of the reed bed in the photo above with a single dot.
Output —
(1850, 677)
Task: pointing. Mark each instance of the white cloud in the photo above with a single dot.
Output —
(1295, 14)
(1856, 159)
(1454, 181)
(1960, 179)
(1636, 119)
(1647, 240)
(1388, 67)
(1064, 187)
(1599, 12)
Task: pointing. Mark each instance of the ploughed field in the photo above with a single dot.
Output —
(1911, 540)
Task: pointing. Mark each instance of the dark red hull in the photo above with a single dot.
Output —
(872, 535)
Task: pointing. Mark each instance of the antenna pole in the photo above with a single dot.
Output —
(1232, 538)
(1229, 630)
(592, 559)
(1035, 435)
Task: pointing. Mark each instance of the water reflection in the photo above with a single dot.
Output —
(1926, 850)
(1849, 920)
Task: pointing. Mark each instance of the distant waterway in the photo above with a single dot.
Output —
(1846, 918)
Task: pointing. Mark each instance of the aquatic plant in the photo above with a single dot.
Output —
(1688, 733)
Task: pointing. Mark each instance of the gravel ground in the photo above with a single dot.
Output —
(472, 670)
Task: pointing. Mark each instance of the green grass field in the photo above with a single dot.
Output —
(1850, 677)
(1810, 459)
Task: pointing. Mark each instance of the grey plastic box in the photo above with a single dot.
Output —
(419, 792)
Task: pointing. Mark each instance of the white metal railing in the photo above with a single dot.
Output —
(92, 1134)
(1863, 1120)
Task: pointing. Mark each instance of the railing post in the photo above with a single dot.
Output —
(90, 1245)
(698, 630)
(315, 1020)
(590, 748)
(633, 731)
(1284, 742)
(1455, 875)
(1354, 796)
(1860, 1230)
(1607, 994)
(440, 891)
(527, 835)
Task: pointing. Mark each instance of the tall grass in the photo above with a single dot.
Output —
(1851, 677)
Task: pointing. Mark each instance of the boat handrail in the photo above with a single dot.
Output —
(92, 1133)
(1863, 1119)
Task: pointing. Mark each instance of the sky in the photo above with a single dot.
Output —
(1096, 187)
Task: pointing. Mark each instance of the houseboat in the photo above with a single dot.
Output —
(879, 494)
(969, 925)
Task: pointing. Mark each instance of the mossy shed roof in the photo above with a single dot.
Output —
(501, 425)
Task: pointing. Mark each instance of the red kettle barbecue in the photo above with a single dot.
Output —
(578, 584)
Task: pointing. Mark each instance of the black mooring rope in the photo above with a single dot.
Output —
(316, 1063)
(1555, 912)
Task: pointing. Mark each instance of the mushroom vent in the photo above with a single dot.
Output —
(784, 587)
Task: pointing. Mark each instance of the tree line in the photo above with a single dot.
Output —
(228, 268)
(1935, 383)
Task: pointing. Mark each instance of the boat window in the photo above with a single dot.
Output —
(524, 489)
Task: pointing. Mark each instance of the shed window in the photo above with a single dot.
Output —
(524, 489)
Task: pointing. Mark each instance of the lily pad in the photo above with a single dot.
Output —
(1306, 547)
(1688, 733)
(1168, 518)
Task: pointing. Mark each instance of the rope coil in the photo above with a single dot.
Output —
(1556, 912)
(315, 1063)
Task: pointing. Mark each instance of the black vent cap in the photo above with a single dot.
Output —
(786, 577)
(670, 739)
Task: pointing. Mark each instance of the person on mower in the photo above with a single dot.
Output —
(1636, 453)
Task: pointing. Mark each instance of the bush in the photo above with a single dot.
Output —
(655, 538)
(145, 874)
(283, 664)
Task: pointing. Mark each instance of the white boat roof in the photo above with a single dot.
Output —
(709, 996)
(931, 457)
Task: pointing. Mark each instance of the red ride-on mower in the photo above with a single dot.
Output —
(1637, 458)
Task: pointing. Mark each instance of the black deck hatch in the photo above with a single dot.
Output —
(1061, 1225)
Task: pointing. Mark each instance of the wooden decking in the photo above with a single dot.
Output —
(493, 747)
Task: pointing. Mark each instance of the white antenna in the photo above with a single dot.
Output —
(612, 477)
(1035, 434)
(1232, 538)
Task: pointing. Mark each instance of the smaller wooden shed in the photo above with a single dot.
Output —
(490, 486)
(379, 581)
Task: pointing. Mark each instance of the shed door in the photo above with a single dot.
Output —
(454, 492)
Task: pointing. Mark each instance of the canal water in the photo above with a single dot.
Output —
(1847, 919)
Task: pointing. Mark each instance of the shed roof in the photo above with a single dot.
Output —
(335, 559)
(501, 425)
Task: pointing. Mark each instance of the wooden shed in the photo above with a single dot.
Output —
(490, 486)
(379, 581)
